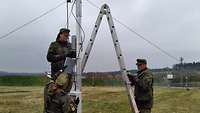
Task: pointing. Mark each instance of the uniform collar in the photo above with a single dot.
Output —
(142, 72)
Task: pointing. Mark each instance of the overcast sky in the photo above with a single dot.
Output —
(171, 24)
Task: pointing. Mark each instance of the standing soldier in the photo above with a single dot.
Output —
(143, 83)
(58, 51)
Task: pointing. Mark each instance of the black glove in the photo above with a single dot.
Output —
(132, 79)
(71, 54)
(77, 101)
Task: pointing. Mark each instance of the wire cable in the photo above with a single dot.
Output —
(69, 16)
(31, 21)
(82, 39)
(138, 34)
(67, 5)
(148, 41)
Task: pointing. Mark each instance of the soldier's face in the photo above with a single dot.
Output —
(64, 37)
(141, 66)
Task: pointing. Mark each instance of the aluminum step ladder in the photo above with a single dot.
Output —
(105, 10)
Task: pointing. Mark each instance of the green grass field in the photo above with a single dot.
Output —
(101, 100)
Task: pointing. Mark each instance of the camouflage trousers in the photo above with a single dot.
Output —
(145, 110)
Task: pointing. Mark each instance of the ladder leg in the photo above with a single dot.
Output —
(120, 58)
(92, 39)
(106, 11)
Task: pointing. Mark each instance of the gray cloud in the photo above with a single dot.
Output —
(171, 24)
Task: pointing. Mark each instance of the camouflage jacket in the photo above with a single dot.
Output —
(57, 101)
(144, 90)
(56, 55)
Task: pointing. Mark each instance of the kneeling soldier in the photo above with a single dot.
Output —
(56, 98)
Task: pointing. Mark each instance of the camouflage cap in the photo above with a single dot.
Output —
(64, 30)
(62, 79)
(141, 61)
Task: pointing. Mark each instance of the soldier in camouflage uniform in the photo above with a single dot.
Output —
(56, 98)
(143, 83)
(58, 51)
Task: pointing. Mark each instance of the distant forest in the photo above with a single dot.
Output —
(188, 66)
(186, 72)
(183, 74)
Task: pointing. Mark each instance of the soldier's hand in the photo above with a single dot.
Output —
(71, 54)
(135, 80)
(77, 101)
(132, 79)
